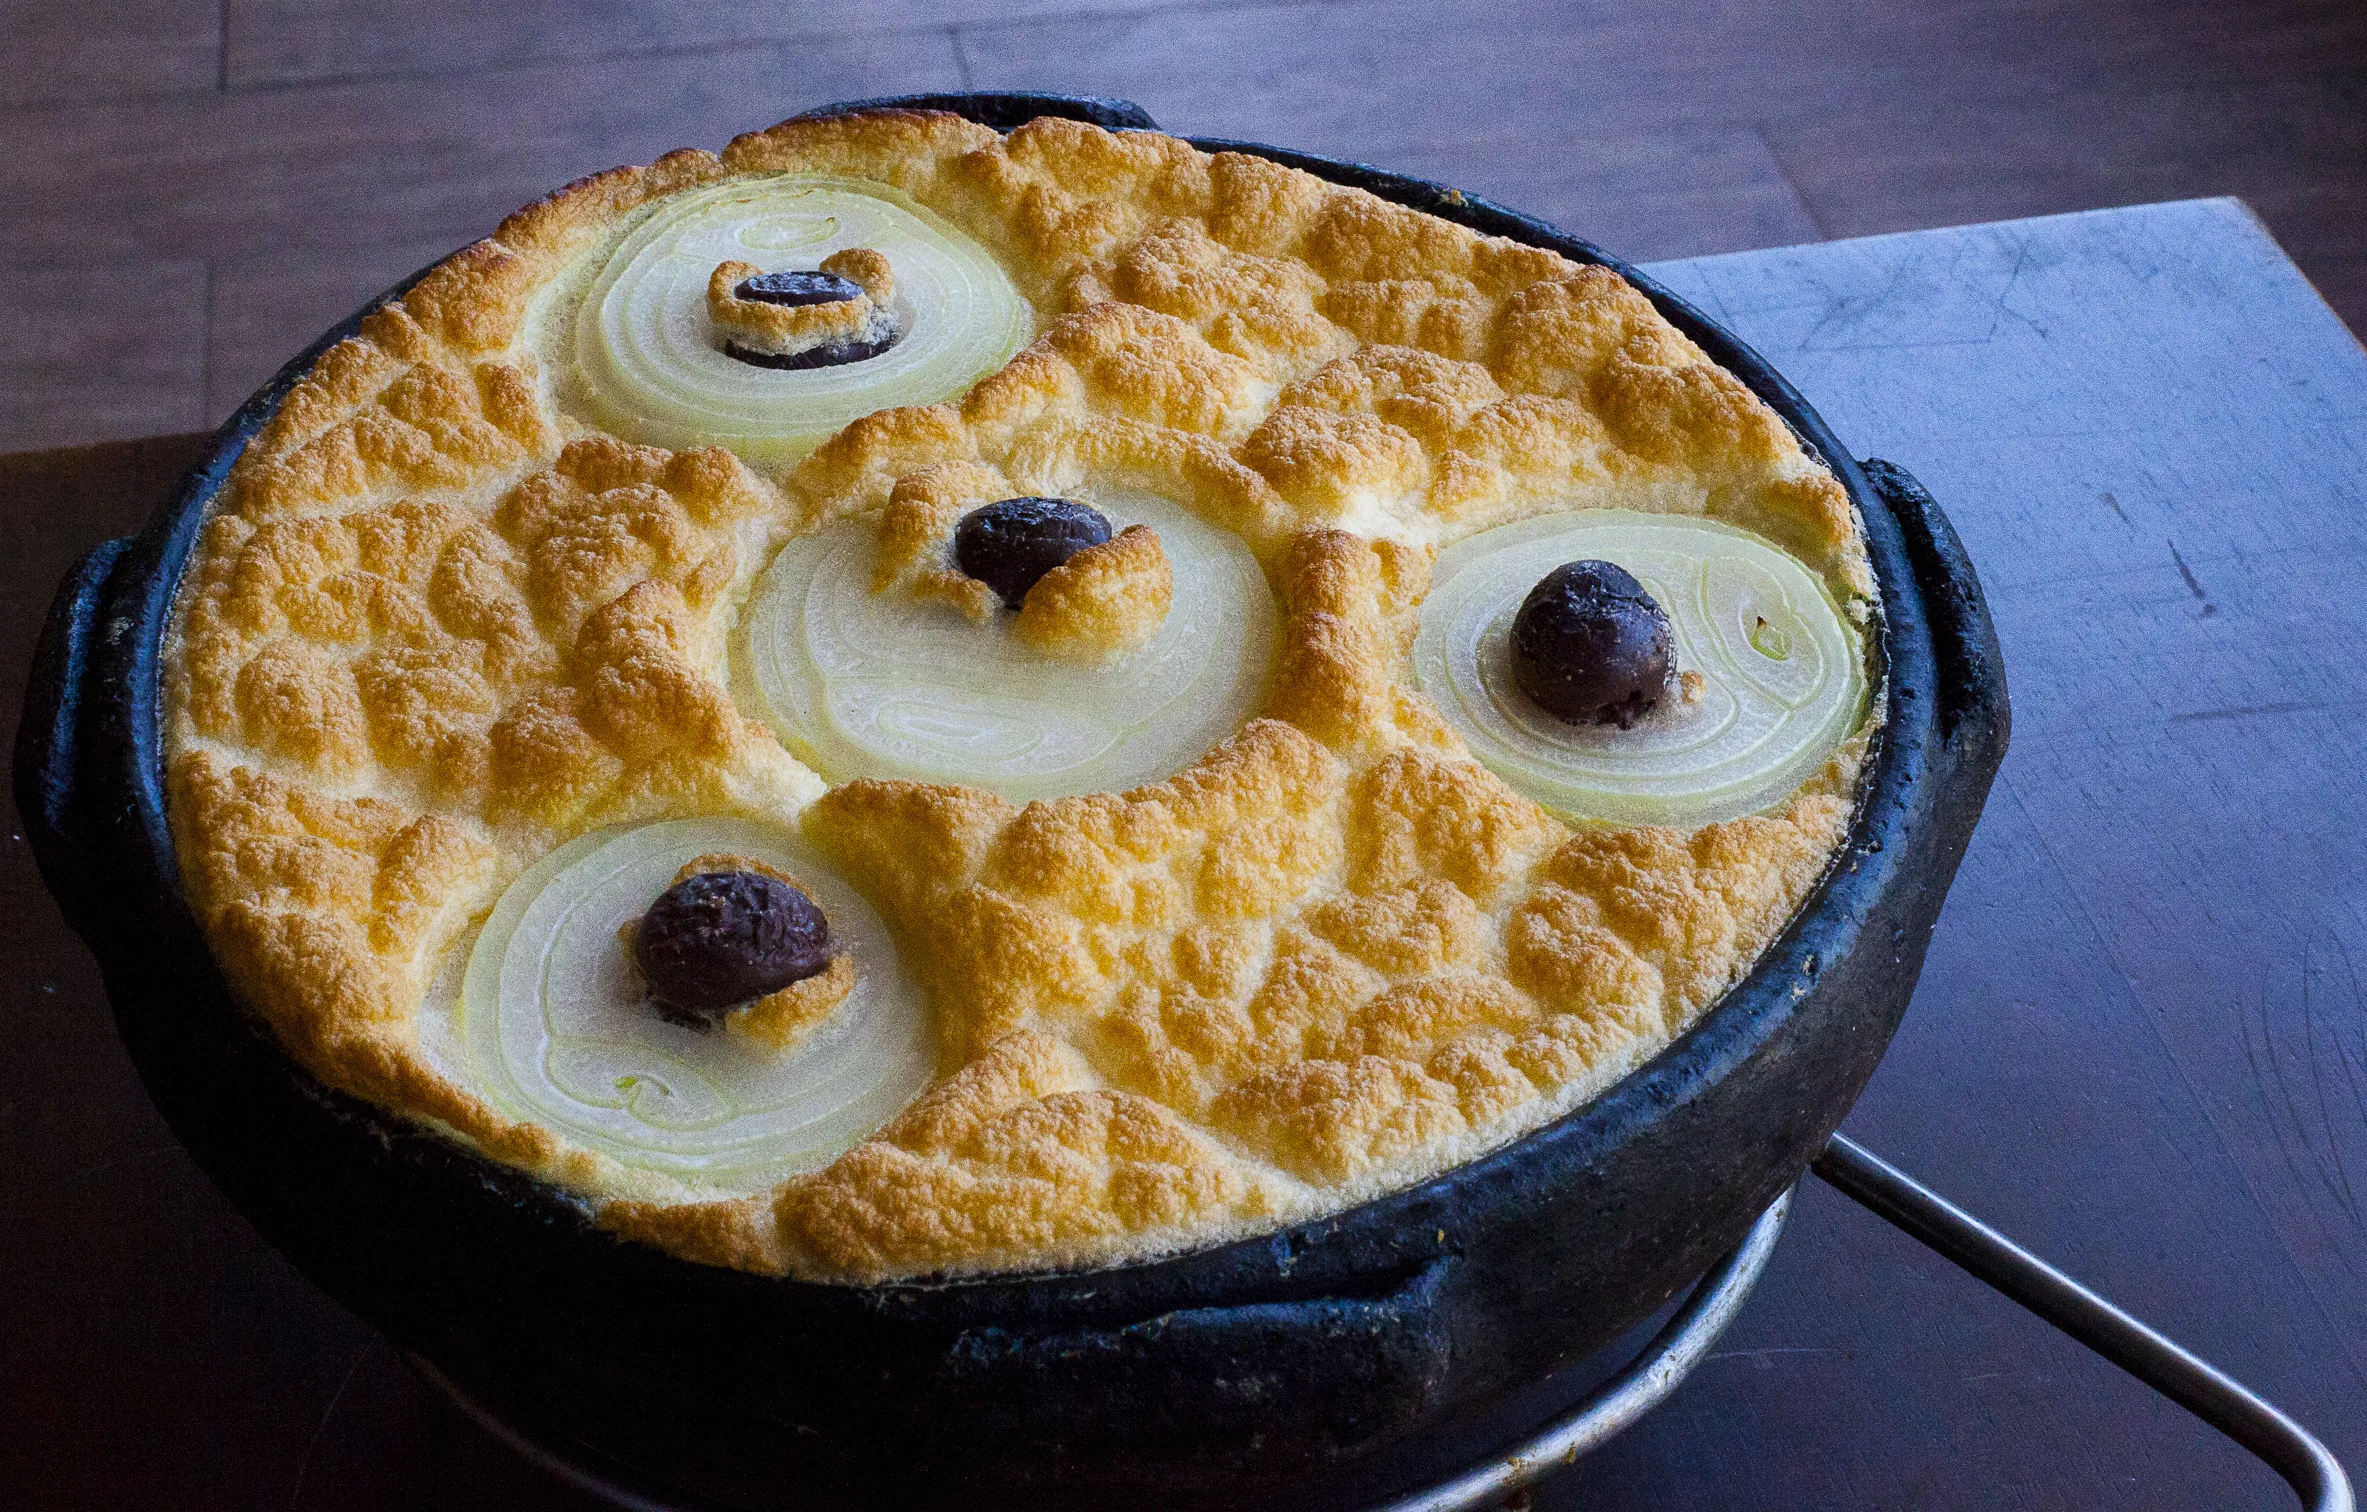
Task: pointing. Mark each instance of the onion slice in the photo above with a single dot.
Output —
(1784, 677)
(865, 684)
(651, 367)
(553, 1028)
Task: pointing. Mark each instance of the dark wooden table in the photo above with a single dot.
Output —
(2140, 1044)
(195, 188)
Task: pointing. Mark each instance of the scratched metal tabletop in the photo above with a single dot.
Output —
(2140, 1045)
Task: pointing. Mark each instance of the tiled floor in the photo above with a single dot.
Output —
(197, 187)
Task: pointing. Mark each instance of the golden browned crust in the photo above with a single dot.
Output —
(437, 626)
(1101, 603)
(916, 535)
(780, 1019)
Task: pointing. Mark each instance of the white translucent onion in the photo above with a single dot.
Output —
(866, 684)
(652, 366)
(1785, 679)
(554, 1029)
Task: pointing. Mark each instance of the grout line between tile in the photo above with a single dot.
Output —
(1791, 181)
(961, 57)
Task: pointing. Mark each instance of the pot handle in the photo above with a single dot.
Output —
(1973, 704)
(1004, 109)
(46, 732)
(1371, 1359)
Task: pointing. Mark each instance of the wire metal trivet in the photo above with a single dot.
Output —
(1662, 1365)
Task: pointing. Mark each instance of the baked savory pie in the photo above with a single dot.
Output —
(903, 700)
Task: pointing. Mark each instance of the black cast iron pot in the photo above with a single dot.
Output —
(1321, 1367)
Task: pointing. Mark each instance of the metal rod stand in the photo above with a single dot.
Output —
(2185, 1378)
(2176, 1372)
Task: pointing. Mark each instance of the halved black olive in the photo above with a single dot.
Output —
(1591, 646)
(1008, 545)
(830, 354)
(806, 287)
(719, 939)
(798, 287)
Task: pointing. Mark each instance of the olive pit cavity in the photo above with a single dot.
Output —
(1591, 646)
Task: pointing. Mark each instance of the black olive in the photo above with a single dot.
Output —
(1007, 546)
(805, 287)
(1591, 646)
(829, 354)
(798, 288)
(719, 939)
